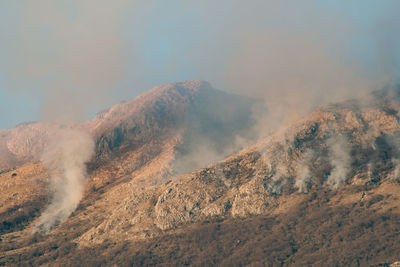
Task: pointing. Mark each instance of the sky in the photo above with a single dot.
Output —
(68, 59)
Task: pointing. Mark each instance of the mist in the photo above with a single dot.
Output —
(64, 156)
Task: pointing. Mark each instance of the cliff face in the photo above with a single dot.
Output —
(330, 182)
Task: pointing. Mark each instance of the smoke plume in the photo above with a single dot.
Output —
(65, 155)
(396, 171)
(340, 160)
(304, 176)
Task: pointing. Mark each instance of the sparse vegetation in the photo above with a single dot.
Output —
(310, 233)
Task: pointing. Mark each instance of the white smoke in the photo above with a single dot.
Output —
(304, 177)
(393, 142)
(395, 161)
(65, 156)
(396, 172)
(339, 159)
(279, 178)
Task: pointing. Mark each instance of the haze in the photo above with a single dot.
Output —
(67, 60)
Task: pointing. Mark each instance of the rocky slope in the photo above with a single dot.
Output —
(345, 144)
(322, 191)
(188, 114)
(178, 118)
(145, 139)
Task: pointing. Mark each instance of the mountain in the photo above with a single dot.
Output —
(148, 139)
(323, 191)
(170, 123)
(179, 113)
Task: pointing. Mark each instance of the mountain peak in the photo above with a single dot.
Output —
(189, 87)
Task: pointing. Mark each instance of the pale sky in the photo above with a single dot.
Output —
(77, 57)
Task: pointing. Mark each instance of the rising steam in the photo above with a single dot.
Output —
(65, 156)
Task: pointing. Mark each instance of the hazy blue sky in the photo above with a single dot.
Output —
(74, 57)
